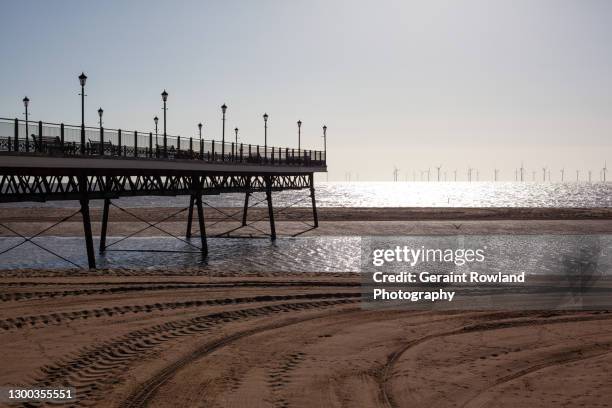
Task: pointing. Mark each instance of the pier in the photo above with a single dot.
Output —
(52, 161)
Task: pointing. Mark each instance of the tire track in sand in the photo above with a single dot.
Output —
(39, 321)
(279, 377)
(567, 357)
(20, 296)
(141, 397)
(387, 370)
(94, 370)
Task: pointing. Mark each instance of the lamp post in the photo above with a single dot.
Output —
(223, 109)
(100, 112)
(26, 102)
(325, 141)
(299, 123)
(82, 80)
(325, 150)
(265, 117)
(164, 96)
(235, 146)
(201, 146)
(156, 119)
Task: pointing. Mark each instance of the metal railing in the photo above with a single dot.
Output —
(58, 139)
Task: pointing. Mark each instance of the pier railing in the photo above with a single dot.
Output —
(58, 139)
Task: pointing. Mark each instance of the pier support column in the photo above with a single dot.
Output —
(268, 181)
(104, 225)
(246, 208)
(198, 202)
(314, 203)
(246, 201)
(91, 257)
(190, 216)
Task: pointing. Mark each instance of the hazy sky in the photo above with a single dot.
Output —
(413, 84)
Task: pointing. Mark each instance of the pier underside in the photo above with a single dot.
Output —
(40, 179)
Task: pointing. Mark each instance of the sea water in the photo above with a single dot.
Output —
(546, 254)
(403, 194)
(331, 254)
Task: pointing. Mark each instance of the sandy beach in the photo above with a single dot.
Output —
(184, 337)
(333, 221)
(291, 340)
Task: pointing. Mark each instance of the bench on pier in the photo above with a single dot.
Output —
(49, 144)
(172, 152)
(94, 147)
(185, 154)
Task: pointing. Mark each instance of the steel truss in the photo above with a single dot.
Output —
(19, 187)
(31, 239)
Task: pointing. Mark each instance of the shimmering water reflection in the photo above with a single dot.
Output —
(530, 253)
(320, 254)
(405, 194)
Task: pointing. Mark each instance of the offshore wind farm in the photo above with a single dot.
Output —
(520, 174)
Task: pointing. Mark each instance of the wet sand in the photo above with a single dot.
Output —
(185, 337)
(332, 221)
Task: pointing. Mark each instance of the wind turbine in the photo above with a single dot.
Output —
(495, 174)
(470, 174)
(428, 174)
(456, 174)
(589, 176)
(477, 175)
(522, 172)
(604, 170)
(445, 179)
(562, 174)
(438, 168)
(544, 174)
(395, 173)
(577, 176)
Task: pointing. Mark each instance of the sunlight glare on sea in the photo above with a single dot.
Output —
(404, 194)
